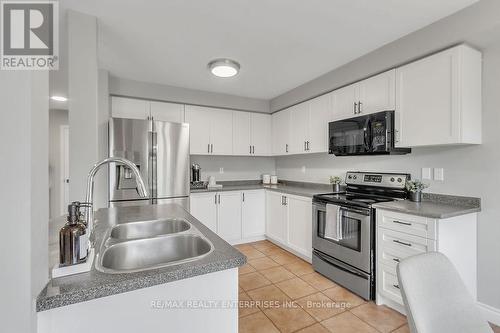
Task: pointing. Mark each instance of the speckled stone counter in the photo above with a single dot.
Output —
(95, 284)
(437, 206)
(284, 186)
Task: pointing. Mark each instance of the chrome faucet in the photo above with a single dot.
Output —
(89, 197)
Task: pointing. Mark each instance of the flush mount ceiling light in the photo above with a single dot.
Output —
(224, 67)
(59, 98)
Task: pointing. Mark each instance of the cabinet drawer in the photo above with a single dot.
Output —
(410, 224)
(387, 283)
(393, 245)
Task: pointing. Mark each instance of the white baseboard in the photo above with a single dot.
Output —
(490, 313)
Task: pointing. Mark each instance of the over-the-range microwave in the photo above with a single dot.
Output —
(371, 134)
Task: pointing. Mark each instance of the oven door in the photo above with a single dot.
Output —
(346, 236)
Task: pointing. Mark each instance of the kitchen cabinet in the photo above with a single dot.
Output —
(438, 99)
(281, 132)
(253, 214)
(399, 236)
(289, 222)
(371, 95)
(210, 130)
(130, 108)
(171, 112)
(299, 118)
(229, 215)
(203, 207)
(251, 134)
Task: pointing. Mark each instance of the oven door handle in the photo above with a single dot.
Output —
(341, 267)
(340, 229)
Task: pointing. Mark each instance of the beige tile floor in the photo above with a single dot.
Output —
(282, 293)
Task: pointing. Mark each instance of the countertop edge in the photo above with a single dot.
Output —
(460, 211)
(51, 302)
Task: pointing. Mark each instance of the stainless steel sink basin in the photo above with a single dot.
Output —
(142, 254)
(148, 229)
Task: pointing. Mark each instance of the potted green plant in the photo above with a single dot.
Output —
(335, 181)
(415, 188)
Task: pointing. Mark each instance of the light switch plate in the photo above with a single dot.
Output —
(303, 169)
(426, 173)
(439, 174)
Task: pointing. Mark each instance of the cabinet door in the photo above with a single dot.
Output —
(229, 216)
(275, 217)
(129, 108)
(426, 101)
(241, 133)
(281, 132)
(203, 207)
(261, 134)
(163, 111)
(299, 125)
(343, 100)
(320, 114)
(221, 131)
(300, 224)
(198, 119)
(253, 213)
(378, 93)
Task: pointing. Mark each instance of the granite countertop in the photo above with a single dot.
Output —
(284, 186)
(95, 284)
(436, 206)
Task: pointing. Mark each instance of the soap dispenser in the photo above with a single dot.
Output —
(73, 239)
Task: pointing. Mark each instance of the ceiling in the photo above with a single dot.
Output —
(280, 44)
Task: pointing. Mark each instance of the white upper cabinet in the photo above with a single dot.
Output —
(260, 134)
(320, 114)
(438, 99)
(281, 132)
(210, 130)
(251, 134)
(130, 108)
(344, 102)
(377, 93)
(163, 111)
(299, 128)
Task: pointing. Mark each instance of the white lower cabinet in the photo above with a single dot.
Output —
(289, 222)
(234, 215)
(402, 235)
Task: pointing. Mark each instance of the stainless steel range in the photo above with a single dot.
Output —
(344, 229)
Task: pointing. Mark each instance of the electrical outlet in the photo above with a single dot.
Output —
(426, 173)
(221, 170)
(303, 169)
(439, 174)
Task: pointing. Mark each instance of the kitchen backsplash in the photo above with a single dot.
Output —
(234, 167)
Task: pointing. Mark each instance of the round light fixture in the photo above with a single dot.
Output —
(59, 98)
(224, 67)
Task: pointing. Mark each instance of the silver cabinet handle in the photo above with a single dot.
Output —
(215, 197)
(355, 107)
(281, 200)
(400, 242)
(253, 149)
(286, 148)
(208, 148)
(359, 106)
(396, 135)
(219, 199)
(211, 148)
(286, 200)
(396, 286)
(308, 146)
(243, 196)
(399, 222)
(250, 149)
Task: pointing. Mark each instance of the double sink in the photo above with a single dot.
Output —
(143, 245)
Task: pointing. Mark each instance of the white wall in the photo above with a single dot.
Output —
(235, 168)
(24, 201)
(57, 118)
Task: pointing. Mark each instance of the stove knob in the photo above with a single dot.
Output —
(392, 179)
(354, 177)
(400, 180)
(350, 177)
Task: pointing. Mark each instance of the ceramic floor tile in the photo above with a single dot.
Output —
(245, 269)
(256, 323)
(263, 263)
(269, 296)
(344, 297)
(289, 319)
(318, 281)
(263, 245)
(277, 274)
(296, 288)
(246, 305)
(285, 258)
(273, 251)
(253, 281)
(406, 329)
(245, 246)
(346, 322)
(316, 328)
(382, 318)
(300, 268)
(252, 253)
(320, 307)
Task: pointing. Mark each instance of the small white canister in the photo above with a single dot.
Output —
(274, 180)
(266, 179)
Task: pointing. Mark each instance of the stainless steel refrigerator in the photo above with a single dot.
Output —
(161, 152)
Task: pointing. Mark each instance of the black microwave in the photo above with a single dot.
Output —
(371, 134)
